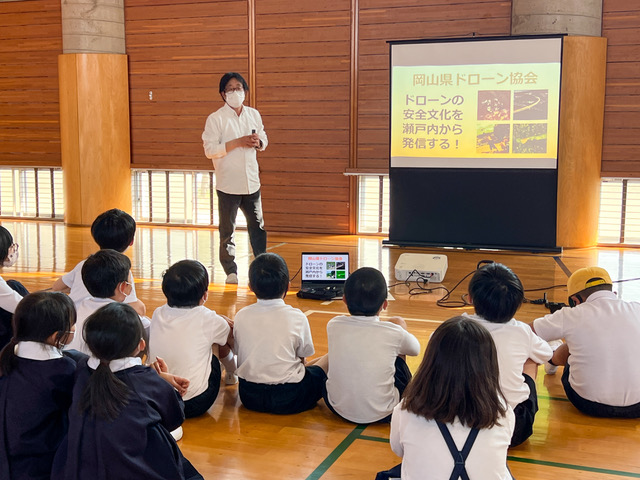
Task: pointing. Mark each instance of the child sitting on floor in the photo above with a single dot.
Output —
(368, 371)
(272, 340)
(184, 331)
(36, 382)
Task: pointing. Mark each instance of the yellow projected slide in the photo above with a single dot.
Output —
(475, 111)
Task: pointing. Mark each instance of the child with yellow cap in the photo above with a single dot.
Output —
(600, 355)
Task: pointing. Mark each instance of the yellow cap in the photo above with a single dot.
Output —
(586, 278)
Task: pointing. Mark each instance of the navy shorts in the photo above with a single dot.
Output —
(198, 405)
(284, 398)
(596, 409)
(525, 413)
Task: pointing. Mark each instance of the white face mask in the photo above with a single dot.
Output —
(12, 256)
(234, 99)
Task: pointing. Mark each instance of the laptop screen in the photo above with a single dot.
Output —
(325, 267)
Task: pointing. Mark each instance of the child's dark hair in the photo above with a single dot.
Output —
(185, 283)
(269, 276)
(6, 240)
(103, 271)
(458, 377)
(365, 291)
(38, 316)
(496, 292)
(111, 332)
(228, 76)
(114, 229)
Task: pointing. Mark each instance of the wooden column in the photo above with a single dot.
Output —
(94, 130)
(580, 142)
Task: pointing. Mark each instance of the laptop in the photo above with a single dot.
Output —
(323, 275)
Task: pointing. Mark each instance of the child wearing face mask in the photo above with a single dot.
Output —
(106, 275)
(36, 382)
(11, 292)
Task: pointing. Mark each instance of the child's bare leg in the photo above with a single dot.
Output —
(561, 355)
(322, 362)
(530, 368)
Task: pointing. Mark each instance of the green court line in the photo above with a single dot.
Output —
(558, 399)
(339, 450)
(373, 439)
(567, 466)
(575, 467)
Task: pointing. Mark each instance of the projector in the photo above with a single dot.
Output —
(410, 266)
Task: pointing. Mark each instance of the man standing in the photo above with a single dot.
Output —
(232, 136)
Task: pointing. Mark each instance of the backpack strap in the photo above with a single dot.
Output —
(459, 456)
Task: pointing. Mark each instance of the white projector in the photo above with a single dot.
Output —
(410, 266)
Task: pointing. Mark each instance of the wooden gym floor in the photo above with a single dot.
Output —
(231, 442)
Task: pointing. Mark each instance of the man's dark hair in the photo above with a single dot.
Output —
(269, 276)
(458, 377)
(228, 76)
(365, 291)
(185, 283)
(114, 229)
(103, 271)
(496, 292)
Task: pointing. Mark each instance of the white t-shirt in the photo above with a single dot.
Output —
(79, 291)
(426, 455)
(362, 355)
(183, 337)
(515, 344)
(9, 298)
(237, 171)
(85, 308)
(270, 339)
(603, 335)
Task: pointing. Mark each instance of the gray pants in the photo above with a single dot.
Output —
(251, 206)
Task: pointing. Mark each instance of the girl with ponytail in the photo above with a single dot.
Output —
(36, 383)
(122, 411)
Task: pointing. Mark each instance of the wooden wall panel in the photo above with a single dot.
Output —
(621, 138)
(381, 21)
(303, 94)
(178, 50)
(31, 34)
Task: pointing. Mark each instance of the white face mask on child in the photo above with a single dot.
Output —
(12, 256)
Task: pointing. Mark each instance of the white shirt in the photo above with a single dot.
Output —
(85, 308)
(183, 337)
(79, 291)
(515, 344)
(9, 298)
(237, 171)
(37, 351)
(362, 355)
(271, 337)
(426, 455)
(603, 335)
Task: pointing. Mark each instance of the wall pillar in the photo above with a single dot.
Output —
(573, 17)
(94, 110)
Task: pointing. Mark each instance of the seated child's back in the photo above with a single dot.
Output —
(106, 275)
(497, 293)
(115, 230)
(183, 332)
(272, 340)
(367, 373)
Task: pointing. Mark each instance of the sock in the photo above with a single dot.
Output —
(229, 362)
